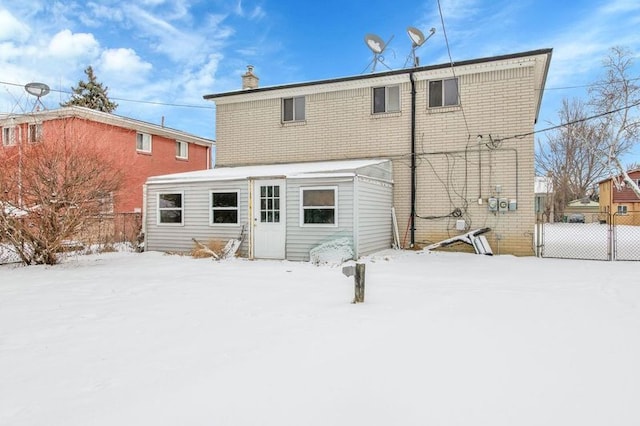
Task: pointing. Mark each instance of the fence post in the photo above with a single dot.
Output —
(358, 279)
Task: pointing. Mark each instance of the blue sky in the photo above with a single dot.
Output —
(159, 58)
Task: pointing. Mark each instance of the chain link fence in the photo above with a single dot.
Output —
(605, 237)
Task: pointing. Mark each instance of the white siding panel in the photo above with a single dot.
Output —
(302, 239)
(375, 199)
(196, 216)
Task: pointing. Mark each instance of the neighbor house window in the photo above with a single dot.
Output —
(318, 206)
(35, 132)
(443, 92)
(143, 142)
(8, 135)
(293, 109)
(171, 208)
(622, 209)
(182, 149)
(224, 207)
(386, 99)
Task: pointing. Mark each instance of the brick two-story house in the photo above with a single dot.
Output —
(460, 137)
(143, 149)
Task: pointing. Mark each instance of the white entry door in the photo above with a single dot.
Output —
(269, 230)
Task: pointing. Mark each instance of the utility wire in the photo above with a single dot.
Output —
(446, 40)
(124, 99)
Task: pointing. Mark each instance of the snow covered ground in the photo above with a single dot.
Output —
(442, 339)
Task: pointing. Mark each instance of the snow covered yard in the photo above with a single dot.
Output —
(442, 339)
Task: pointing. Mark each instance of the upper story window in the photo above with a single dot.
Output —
(182, 150)
(443, 92)
(170, 208)
(143, 142)
(293, 109)
(9, 135)
(386, 99)
(318, 206)
(224, 208)
(35, 132)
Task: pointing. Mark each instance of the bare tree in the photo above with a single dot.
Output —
(616, 99)
(570, 157)
(50, 190)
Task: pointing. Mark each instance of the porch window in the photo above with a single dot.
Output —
(318, 206)
(171, 208)
(293, 109)
(224, 208)
(443, 92)
(386, 99)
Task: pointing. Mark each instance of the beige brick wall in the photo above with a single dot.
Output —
(453, 169)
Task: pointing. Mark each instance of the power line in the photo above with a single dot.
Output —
(124, 99)
(569, 123)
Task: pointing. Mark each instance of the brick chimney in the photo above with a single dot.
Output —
(249, 79)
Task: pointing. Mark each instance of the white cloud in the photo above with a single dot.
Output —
(12, 28)
(123, 65)
(65, 44)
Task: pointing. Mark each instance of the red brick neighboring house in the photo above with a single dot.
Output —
(143, 149)
(623, 202)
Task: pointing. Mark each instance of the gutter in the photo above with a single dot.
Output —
(412, 217)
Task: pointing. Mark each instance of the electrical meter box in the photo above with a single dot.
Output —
(513, 205)
(503, 205)
(492, 203)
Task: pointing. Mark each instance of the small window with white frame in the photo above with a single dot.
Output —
(293, 109)
(443, 93)
(35, 132)
(319, 206)
(622, 209)
(171, 208)
(386, 99)
(143, 142)
(9, 135)
(224, 207)
(182, 150)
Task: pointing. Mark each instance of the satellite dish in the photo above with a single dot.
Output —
(375, 43)
(37, 89)
(416, 36)
(377, 46)
(417, 40)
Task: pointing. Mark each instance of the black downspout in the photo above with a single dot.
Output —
(413, 160)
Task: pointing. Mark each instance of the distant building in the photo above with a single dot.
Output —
(145, 149)
(621, 202)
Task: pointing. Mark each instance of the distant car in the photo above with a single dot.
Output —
(576, 218)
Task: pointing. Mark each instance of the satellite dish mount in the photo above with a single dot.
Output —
(38, 90)
(377, 46)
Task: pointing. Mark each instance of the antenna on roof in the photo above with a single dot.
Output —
(377, 46)
(417, 40)
(38, 90)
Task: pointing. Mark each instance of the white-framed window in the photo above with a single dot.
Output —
(9, 135)
(171, 208)
(182, 150)
(293, 109)
(35, 132)
(143, 142)
(386, 99)
(443, 92)
(223, 207)
(622, 209)
(319, 206)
